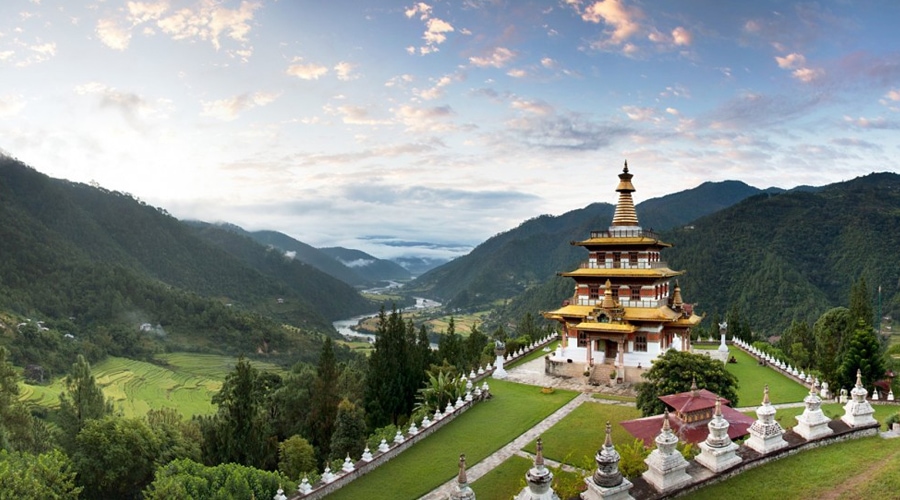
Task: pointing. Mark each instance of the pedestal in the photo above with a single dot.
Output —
(812, 425)
(666, 472)
(858, 413)
(718, 459)
(594, 492)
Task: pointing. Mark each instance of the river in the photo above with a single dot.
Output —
(344, 326)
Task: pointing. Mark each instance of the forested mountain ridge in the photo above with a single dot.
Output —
(97, 264)
(796, 254)
(370, 268)
(513, 261)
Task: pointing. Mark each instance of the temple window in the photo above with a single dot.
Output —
(635, 293)
(582, 339)
(640, 343)
(615, 292)
(595, 292)
(617, 259)
(633, 258)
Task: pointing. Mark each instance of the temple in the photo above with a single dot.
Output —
(626, 310)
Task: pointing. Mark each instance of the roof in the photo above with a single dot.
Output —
(596, 326)
(647, 428)
(661, 314)
(617, 241)
(660, 272)
(689, 401)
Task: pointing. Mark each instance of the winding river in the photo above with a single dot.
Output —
(344, 326)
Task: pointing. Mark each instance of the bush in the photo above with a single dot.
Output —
(891, 420)
(631, 463)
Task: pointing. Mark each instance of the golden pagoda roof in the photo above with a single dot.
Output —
(637, 238)
(596, 326)
(570, 311)
(660, 314)
(625, 214)
(661, 272)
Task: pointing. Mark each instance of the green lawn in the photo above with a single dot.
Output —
(540, 353)
(862, 468)
(753, 378)
(577, 437)
(503, 481)
(478, 432)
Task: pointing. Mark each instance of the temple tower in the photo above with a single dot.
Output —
(666, 465)
(626, 309)
(607, 482)
(717, 453)
(538, 479)
(766, 435)
(858, 412)
(812, 423)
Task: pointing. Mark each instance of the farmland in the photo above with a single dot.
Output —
(184, 381)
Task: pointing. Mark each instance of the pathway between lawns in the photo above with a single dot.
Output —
(474, 472)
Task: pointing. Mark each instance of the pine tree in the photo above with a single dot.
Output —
(324, 402)
(83, 401)
(349, 433)
(861, 303)
(385, 388)
(864, 353)
(832, 331)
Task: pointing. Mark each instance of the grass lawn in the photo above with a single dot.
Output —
(187, 383)
(753, 378)
(861, 468)
(478, 432)
(577, 437)
(540, 353)
(504, 480)
(614, 397)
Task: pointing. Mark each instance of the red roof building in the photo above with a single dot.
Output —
(689, 414)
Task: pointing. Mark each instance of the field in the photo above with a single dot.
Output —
(184, 381)
(752, 378)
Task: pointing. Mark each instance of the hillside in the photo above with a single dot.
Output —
(511, 262)
(97, 264)
(306, 253)
(795, 254)
(370, 268)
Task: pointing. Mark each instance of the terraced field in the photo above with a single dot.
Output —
(184, 381)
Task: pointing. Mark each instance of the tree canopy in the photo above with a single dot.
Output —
(675, 372)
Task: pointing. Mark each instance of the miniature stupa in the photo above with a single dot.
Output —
(717, 453)
(812, 423)
(538, 479)
(666, 465)
(766, 435)
(858, 412)
(607, 482)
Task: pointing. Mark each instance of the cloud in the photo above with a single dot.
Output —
(790, 61)
(424, 119)
(752, 109)
(534, 107)
(613, 13)
(209, 20)
(639, 114)
(498, 58)
(797, 63)
(807, 75)
(11, 105)
(112, 35)
(517, 73)
(437, 91)
(436, 29)
(133, 107)
(344, 71)
(872, 123)
(355, 115)
(571, 131)
(230, 108)
(893, 94)
(308, 71)
(681, 36)
(357, 263)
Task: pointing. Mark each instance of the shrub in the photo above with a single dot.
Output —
(631, 463)
(891, 420)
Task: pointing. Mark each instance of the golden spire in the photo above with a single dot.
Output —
(625, 214)
(608, 442)
(718, 406)
(461, 477)
(766, 395)
(677, 301)
(608, 302)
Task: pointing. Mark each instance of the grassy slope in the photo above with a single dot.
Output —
(187, 383)
(478, 432)
(753, 378)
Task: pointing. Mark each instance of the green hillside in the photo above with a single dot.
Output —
(94, 265)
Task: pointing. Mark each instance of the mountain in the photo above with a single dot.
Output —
(97, 264)
(368, 267)
(794, 254)
(511, 262)
(308, 254)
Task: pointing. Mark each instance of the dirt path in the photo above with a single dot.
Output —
(846, 488)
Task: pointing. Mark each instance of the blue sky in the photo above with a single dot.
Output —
(370, 124)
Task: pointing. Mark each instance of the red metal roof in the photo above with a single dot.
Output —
(686, 402)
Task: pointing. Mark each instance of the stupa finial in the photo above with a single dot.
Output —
(858, 377)
(461, 478)
(718, 412)
(626, 167)
(694, 387)
(539, 454)
(666, 428)
(608, 442)
(765, 400)
(625, 214)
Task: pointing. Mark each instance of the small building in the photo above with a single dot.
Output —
(627, 308)
(689, 414)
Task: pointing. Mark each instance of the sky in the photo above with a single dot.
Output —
(424, 128)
